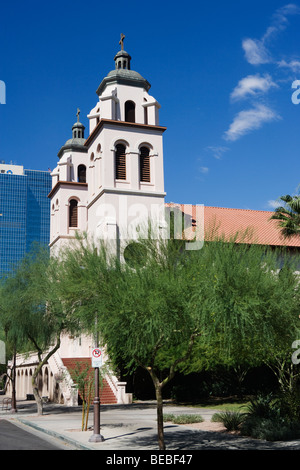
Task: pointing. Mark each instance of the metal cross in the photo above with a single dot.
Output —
(122, 41)
(77, 114)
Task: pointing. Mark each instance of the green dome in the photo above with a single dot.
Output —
(123, 74)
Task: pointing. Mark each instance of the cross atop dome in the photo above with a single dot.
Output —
(122, 58)
(122, 72)
(121, 42)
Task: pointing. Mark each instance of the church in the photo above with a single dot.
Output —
(107, 184)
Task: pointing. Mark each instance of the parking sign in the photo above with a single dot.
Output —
(96, 357)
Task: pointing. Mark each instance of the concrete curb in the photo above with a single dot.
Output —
(55, 434)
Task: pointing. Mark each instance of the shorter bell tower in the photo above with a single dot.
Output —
(69, 189)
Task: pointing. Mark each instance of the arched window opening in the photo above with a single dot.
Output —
(145, 113)
(120, 166)
(145, 165)
(130, 111)
(81, 174)
(73, 213)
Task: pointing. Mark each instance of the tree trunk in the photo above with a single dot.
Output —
(35, 386)
(159, 385)
(35, 389)
(13, 398)
(160, 417)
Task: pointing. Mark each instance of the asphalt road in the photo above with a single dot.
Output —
(14, 437)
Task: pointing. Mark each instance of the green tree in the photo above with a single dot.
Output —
(142, 307)
(168, 309)
(32, 311)
(254, 314)
(288, 215)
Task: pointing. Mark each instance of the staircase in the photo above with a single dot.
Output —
(107, 396)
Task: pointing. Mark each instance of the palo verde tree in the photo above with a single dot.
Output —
(166, 309)
(254, 312)
(142, 308)
(32, 310)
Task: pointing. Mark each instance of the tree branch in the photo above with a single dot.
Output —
(181, 359)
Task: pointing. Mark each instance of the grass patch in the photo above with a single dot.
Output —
(183, 418)
(224, 405)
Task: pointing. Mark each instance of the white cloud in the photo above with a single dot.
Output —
(252, 85)
(255, 52)
(273, 203)
(217, 151)
(294, 65)
(280, 20)
(204, 169)
(251, 119)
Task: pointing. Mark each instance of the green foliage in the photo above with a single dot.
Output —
(289, 404)
(288, 215)
(183, 418)
(243, 310)
(249, 306)
(32, 312)
(143, 313)
(231, 420)
(270, 429)
(271, 419)
(263, 406)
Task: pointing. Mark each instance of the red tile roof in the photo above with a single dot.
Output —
(252, 226)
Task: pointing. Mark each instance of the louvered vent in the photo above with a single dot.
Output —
(120, 162)
(144, 165)
(73, 213)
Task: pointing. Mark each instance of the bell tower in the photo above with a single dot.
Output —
(116, 174)
(125, 148)
(69, 189)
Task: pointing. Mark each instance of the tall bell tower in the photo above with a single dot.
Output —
(123, 185)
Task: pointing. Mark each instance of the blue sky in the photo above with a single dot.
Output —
(222, 72)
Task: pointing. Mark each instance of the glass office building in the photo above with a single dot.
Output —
(24, 212)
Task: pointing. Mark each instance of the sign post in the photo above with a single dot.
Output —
(96, 363)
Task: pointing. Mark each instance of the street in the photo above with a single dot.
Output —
(15, 437)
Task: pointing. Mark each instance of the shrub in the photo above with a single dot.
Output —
(276, 429)
(231, 420)
(263, 406)
(270, 419)
(289, 404)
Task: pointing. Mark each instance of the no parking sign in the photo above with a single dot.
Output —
(96, 357)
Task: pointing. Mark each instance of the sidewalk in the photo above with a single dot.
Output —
(133, 428)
